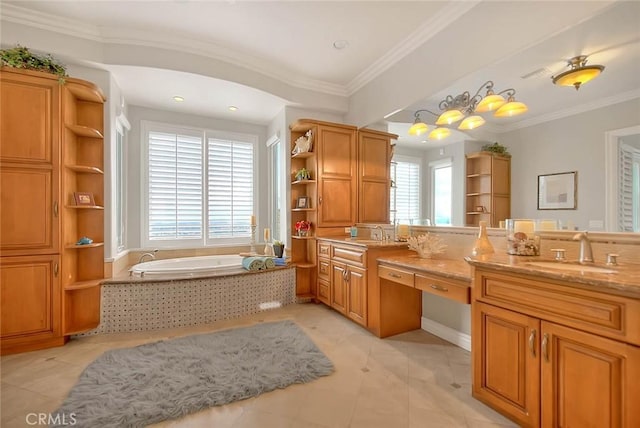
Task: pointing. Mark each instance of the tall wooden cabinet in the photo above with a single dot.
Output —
(488, 188)
(546, 354)
(40, 166)
(349, 183)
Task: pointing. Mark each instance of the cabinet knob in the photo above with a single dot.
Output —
(320, 200)
(55, 208)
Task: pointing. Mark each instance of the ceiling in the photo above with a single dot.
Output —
(293, 42)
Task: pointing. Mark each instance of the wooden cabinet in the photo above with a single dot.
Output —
(374, 177)
(348, 282)
(29, 161)
(51, 146)
(488, 188)
(348, 183)
(546, 354)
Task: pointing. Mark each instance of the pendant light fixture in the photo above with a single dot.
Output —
(464, 106)
(579, 73)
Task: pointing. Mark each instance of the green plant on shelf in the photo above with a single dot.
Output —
(496, 148)
(303, 174)
(21, 57)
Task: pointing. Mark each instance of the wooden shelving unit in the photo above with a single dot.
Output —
(488, 188)
(83, 158)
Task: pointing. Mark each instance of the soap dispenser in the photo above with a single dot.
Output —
(483, 245)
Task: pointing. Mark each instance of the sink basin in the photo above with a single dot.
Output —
(571, 267)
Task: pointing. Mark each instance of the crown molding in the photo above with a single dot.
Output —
(45, 21)
(114, 35)
(582, 108)
(432, 26)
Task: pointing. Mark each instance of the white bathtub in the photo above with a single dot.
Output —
(188, 266)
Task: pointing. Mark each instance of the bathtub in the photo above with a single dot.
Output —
(188, 266)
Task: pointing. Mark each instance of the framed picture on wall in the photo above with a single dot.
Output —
(558, 191)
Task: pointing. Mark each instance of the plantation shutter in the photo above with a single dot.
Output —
(407, 190)
(175, 186)
(628, 200)
(231, 175)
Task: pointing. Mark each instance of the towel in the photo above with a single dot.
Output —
(253, 263)
(280, 261)
(269, 263)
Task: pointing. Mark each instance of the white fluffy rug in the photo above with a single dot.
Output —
(168, 379)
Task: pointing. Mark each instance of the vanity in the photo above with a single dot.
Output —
(555, 347)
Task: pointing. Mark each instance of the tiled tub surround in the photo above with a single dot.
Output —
(139, 304)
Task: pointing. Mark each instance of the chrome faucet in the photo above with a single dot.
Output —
(151, 255)
(586, 254)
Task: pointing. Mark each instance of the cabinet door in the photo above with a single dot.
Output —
(29, 153)
(338, 284)
(357, 294)
(337, 194)
(30, 293)
(587, 380)
(28, 211)
(373, 177)
(506, 365)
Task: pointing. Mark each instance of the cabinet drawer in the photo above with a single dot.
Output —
(324, 249)
(349, 254)
(441, 287)
(600, 313)
(324, 268)
(396, 275)
(323, 291)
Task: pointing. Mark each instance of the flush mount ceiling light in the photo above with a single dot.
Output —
(233, 108)
(340, 44)
(464, 106)
(578, 73)
(178, 99)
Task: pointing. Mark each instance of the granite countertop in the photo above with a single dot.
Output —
(624, 282)
(364, 242)
(447, 268)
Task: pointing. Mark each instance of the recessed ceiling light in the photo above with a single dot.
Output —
(178, 99)
(233, 108)
(340, 44)
(424, 141)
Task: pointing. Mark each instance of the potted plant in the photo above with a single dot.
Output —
(496, 148)
(21, 57)
(302, 227)
(278, 248)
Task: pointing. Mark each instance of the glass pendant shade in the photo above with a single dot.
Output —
(439, 133)
(449, 117)
(490, 103)
(578, 76)
(418, 128)
(511, 108)
(471, 122)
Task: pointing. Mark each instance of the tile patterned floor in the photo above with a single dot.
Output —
(412, 380)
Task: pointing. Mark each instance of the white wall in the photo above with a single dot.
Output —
(134, 161)
(574, 143)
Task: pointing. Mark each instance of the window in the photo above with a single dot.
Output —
(441, 200)
(198, 194)
(629, 189)
(120, 190)
(406, 178)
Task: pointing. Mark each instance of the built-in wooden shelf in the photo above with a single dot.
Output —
(92, 245)
(85, 92)
(305, 265)
(482, 174)
(302, 155)
(85, 169)
(302, 237)
(293, 183)
(303, 209)
(84, 131)
(478, 194)
(81, 285)
(86, 207)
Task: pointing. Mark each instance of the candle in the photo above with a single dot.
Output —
(524, 226)
(253, 220)
(403, 230)
(267, 234)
